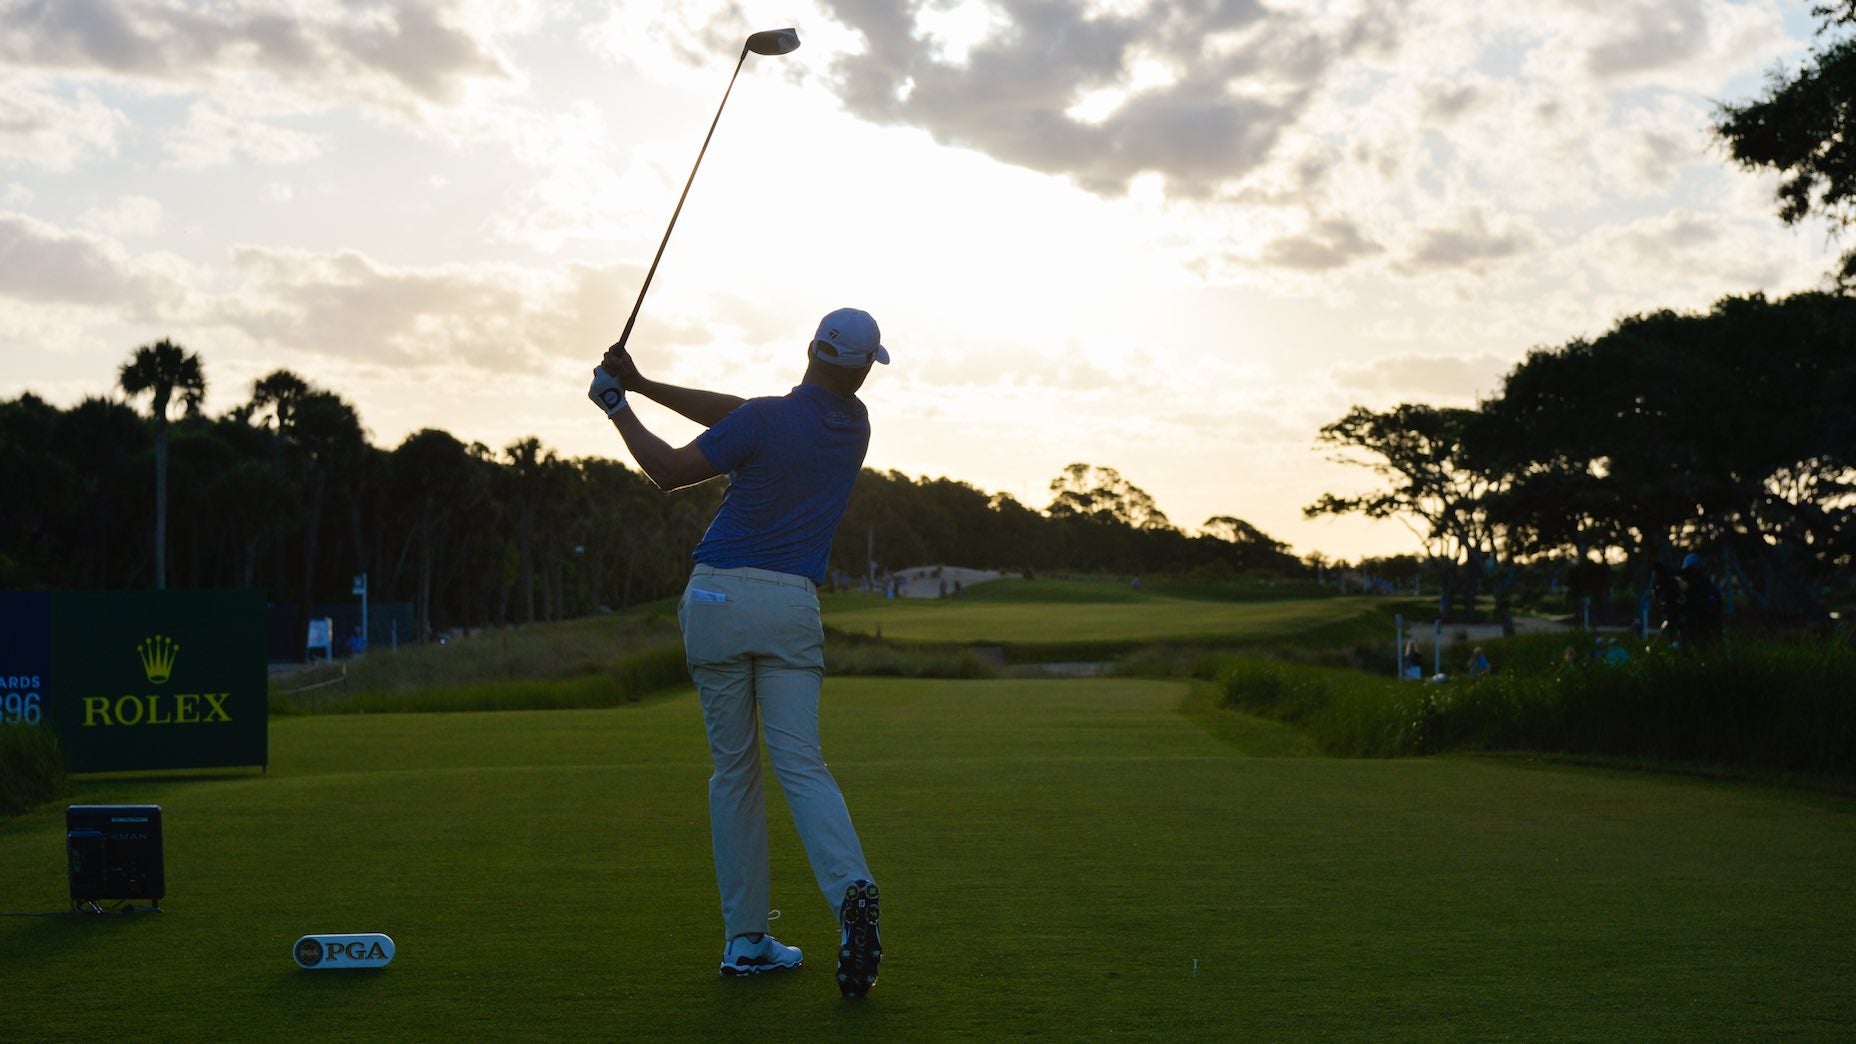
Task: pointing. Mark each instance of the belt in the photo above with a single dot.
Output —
(767, 576)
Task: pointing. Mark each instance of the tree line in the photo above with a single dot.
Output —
(1730, 434)
(285, 492)
(1097, 523)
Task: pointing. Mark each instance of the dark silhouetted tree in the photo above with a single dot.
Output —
(1429, 485)
(161, 370)
(1804, 127)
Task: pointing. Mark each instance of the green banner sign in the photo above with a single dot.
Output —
(145, 679)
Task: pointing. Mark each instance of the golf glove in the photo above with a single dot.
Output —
(606, 392)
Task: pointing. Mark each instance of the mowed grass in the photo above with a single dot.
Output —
(1055, 857)
(1015, 612)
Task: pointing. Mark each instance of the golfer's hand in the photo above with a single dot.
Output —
(606, 392)
(618, 362)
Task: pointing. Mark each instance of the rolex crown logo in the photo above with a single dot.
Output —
(157, 653)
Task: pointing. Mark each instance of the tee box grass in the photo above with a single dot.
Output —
(1060, 859)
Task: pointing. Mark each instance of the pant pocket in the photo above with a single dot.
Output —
(711, 628)
(798, 636)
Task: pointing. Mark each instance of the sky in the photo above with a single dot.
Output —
(1169, 237)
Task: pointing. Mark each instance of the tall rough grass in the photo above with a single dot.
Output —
(1348, 713)
(618, 679)
(604, 662)
(570, 649)
(1767, 705)
(32, 768)
(1785, 706)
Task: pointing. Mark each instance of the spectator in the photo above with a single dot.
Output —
(1478, 662)
(1701, 603)
(1666, 585)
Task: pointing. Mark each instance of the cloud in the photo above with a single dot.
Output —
(574, 194)
(1424, 378)
(42, 129)
(1649, 36)
(1695, 255)
(427, 48)
(495, 318)
(350, 306)
(1687, 45)
(245, 67)
(420, 49)
(1659, 239)
(504, 319)
(1328, 244)
(672, 43)
(1199, 93)
(212, 137)
(1472, 241)
(47, 265)
(128, 216)
(1442, 102)
(1474, 130)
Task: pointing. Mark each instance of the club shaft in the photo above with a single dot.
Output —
(633, 318)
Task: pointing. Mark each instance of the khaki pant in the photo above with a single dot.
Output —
(756, 650)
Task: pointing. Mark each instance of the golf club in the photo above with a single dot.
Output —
(770, 41)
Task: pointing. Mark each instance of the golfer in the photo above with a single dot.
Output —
(750, 620)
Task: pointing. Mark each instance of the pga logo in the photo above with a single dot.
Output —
(371, 950)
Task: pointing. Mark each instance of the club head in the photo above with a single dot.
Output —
(774, 41)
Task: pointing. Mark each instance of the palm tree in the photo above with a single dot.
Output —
(162, 369)
(279, 393)
(528, 462)
(326, 437)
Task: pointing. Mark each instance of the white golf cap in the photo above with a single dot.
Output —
(853, 338)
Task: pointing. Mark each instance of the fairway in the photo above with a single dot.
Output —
(1057, 857)
(1115, 616)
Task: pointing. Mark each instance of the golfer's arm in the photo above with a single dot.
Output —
(667, 468)
(703, 407)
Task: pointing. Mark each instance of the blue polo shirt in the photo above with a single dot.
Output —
(791, 461)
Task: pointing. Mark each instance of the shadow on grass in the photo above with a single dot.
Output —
(93, 779)
(806, 996)
(67, 932)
